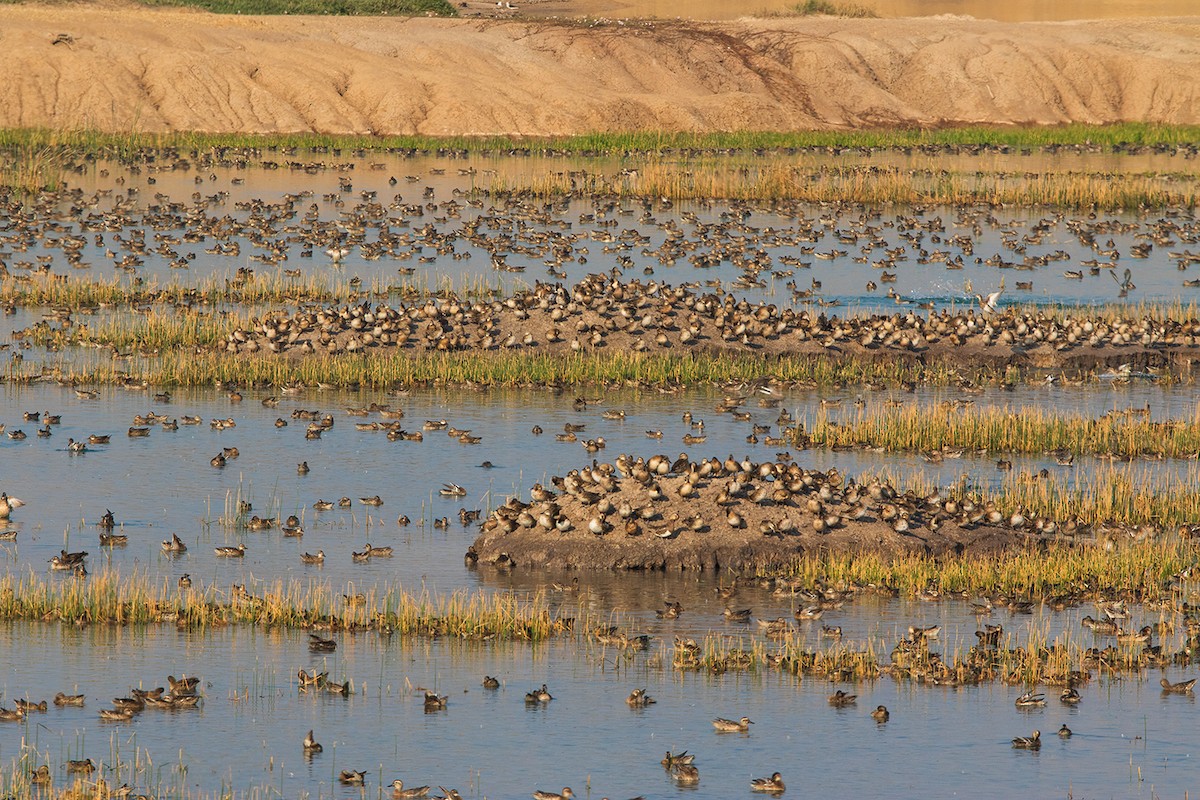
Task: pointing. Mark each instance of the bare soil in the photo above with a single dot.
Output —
(127, 69)
(670, 541)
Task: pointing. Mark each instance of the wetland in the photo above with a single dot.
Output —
(342, 431)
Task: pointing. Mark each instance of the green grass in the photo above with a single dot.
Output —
(831, 9)
(373, 8)
(1105, 137)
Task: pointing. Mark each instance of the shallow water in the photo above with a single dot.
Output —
(1131, 741)
(423, 198)
(163, 483)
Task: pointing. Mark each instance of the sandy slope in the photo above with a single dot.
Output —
(136, 69)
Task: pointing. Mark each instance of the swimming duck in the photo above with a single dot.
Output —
(371, 501)
(1065, 732)
(323, 505)
(183, 685)
(671, 759)
(231, 552)
(302, 468)
(840, 699)
(11, 715)
(400, 793)
(378, 552)
(29, 705)
(732, 726)
(174, 544)
(639, 699)
(434, 701)
(880, 714)
(565, 794)
(61, 699)
(773, 784)
(1030, 700)
(741, 615)
(116, 714)
(1070, 695)
(317, 644)
(85, 766)
(311, 745)
(686, 774)
(541, 695)
(40, 776)
(351, 778)
(491, 683)
(1183, 687)
(309, 558)
(1028, 742)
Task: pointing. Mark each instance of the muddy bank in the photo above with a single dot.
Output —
(134, 69)
(731, 515)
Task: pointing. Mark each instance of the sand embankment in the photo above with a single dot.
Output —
(134, 69)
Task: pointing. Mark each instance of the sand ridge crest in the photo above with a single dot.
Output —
(133, 69)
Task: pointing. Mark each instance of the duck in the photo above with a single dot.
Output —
(309, 558)
(350, 777)
(231, 552)
(840, 699)
(1033, 742)
(317, 644)
(686, 774)
(1065, 732)
(491, 683)
(1030, 700)
(183, 685)
(1182, 687)
(881, 714)
(773, 784)
(29, 705)
(671, 759)
(435, 701)
(565, 794)
(539, 695)
(639, 699)
(400, 793)
(378, 552)
(85, 766)
(1070, 695)
(116, 714)
(7, 504)
(174, 544)
(732, 726)
(40, 776)
(323, 505)
(11, 715)
(311, 745)
(62, 699)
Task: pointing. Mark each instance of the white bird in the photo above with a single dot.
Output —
(989, 304)
(7, 504)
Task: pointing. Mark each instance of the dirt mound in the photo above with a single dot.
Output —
(133, 69)
(705, 516)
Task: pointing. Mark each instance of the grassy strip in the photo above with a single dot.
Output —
(1105, 137)
(112, 598)
(387, 369)
(1000, 430)
(1145, 573)
(316, 7)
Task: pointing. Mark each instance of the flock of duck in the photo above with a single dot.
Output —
(514, 232)
(603, 314)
